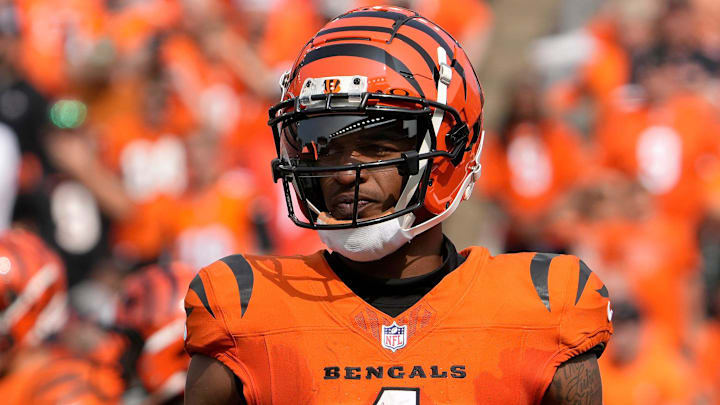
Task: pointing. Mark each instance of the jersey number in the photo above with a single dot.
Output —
(398, 396)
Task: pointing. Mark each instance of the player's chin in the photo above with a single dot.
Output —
(343, 213)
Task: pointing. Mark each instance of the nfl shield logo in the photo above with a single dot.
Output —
(394, 336)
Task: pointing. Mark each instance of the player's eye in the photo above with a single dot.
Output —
(379, 150)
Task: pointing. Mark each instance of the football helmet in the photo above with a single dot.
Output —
(383, 70)
(33, 290)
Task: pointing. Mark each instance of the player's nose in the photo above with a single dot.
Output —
(350, 176)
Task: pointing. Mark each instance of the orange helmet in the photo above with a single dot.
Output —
(389, 68)
(152, 305)
(33, 290)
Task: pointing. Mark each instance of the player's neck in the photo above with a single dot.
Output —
(421, 256)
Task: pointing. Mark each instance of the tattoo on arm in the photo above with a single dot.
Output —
(576, 382)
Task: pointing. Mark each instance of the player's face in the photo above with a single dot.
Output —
(379, 189)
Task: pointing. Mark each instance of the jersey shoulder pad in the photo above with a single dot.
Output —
(236, 293)
(586, 316)
(543, 289)
(561, 294)
(217, 298)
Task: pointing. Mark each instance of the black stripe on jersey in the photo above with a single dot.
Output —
(428, 59)
(539, 270)
(583, 276)
(419, 26)
(188, 311)
(244, 278)
(603, 291)
(199, 288)
(367, 52)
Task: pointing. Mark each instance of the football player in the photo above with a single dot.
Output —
(37, 366)
(33, 293)
(378, 134)
(151, 305)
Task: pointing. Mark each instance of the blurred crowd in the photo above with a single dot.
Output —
(134, 150)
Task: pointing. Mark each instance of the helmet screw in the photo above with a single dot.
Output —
(430, 182)
(447, 205)
(356, 81)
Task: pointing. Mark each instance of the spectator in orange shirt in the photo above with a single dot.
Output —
(130, 156)
(640, 366)
(69, 36)
(620, 30)
(539, 160)
(678, 36)
(708, 19)
(664, 140)
(216, 215)
(265, 44)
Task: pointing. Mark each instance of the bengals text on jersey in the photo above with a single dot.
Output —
(493, 331)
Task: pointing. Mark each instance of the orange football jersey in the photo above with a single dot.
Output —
(492, 332)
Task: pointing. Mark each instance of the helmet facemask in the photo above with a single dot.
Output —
(328, 135)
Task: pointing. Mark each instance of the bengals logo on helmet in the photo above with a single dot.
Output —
(332, 86)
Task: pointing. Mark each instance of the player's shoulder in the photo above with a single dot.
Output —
(538, 266)
(539, 288)
(239, 284)
(244, 270)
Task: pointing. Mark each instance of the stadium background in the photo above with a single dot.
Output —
(134, 134)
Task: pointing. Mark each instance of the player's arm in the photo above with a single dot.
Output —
(209, 382)
(214, 294)
(576, 382)
(584, 328)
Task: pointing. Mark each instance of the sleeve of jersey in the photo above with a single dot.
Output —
(206, 332)
(210, 305)
(585, 323)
